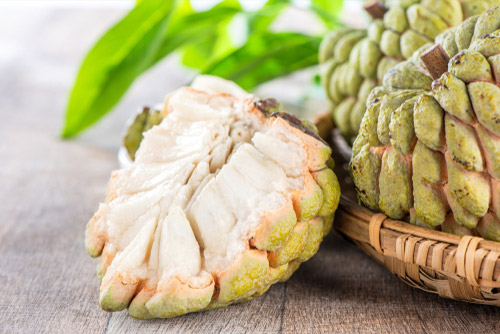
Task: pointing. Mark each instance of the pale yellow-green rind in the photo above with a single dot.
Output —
(375, 30)
(485, 98)
(309, 202)
(417, 221)
(476, 7)
(428, 122)
(93, 243)
(178, 299)
(425, 21)
(333, 90)
(134, 135)
(389, 44)
(137, 308)
(407, 75)
(369, 128)
(352, 81)
(275, 274)
(116, 294)
(402, 133)
(292, 267)
(329, 184)
(462, 145)
(364, 169)
(384, 66)
(428, 201)
(495, 65)
(327, 224)
(245, 277)
(488, 22)
(447, 41)
(141, 123)
(487, 45)
(470, 66)
(460, 214)
(450, 11)
(274, 234)
(491, 147)
(464, 33)
(389, 104)
(369, 56)
(364, 93)
(471, 190)
(411, 41)
(356, 116)
(395, 19)
(319, 157)
(292, 248)
(451, 93)
(328, 43)
(376, 94)
(495, 197)
(341, 116)
(395, 173)
(314, 238)
(345, 44)
(326, 71)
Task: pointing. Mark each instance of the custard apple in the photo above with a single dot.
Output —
(225, 196)
(429, 151)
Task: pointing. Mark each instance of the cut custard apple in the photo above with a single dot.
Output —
(226, 196)
(432, 155)
(354, 61)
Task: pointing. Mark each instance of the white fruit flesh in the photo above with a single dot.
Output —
(203, 183)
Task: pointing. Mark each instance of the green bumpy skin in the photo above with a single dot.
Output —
(431, 156)
(175, 303)
(276, 232)
(144, 121)
(352, 59)
(246, 280)
(309, 203)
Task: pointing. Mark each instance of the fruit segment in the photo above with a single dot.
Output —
(225, 196)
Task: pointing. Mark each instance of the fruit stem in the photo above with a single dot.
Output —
(436, 61)
(376, 9)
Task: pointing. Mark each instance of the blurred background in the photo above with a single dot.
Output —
(43, 45)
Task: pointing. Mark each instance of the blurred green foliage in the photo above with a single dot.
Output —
(156, 28)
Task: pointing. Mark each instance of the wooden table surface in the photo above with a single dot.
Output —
(49, 189)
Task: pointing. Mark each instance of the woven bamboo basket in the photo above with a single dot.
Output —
(463, 268)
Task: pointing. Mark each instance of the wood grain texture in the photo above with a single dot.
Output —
(50, 188)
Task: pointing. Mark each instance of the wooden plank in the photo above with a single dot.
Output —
(50, 188)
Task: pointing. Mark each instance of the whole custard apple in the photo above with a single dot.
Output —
(429, 151)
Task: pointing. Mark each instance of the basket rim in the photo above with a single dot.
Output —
(466, 258)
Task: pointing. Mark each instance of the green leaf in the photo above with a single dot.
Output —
(213, 42)
(260, 20)
(195, 28)
(217, 43)
(328, 11)
(122, 53)
(267, 56)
